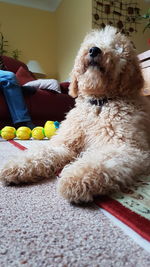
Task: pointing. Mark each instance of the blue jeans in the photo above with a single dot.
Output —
(14, 97)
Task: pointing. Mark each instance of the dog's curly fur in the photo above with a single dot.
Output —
(99, 149)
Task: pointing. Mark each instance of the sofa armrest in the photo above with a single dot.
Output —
(64, 87)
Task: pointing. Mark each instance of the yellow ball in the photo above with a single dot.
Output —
(23, 133)
(38, 133)
(49, 129)
(8, 133)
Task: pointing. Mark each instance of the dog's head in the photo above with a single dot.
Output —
(106, 65)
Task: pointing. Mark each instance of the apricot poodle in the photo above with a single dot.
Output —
(104, 142)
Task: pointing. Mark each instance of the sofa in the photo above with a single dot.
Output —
(43, 105)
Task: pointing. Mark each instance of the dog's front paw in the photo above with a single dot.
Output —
(74, 189)
(10, 174)
(17, 173)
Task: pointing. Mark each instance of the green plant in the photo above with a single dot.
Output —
(16, 53)
(145, 17)
(3, 44)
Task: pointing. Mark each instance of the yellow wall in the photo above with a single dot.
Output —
(53, 39)
(33, 32)
(74, 20)
(50, 38)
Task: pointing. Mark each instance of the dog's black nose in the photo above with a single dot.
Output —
(94, 51)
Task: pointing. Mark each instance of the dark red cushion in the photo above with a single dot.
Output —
(23, 76)
(13, 64)
(49, 105)
(64, 87)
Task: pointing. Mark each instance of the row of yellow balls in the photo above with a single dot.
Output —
(25, 133)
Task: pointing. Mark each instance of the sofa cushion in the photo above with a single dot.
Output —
(24, 75)
(49, 84)
(13, 64)
(64, 87)
(48, 105)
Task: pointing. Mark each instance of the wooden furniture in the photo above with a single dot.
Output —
(145, 64)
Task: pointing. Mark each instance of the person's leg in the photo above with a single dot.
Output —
(15, 100)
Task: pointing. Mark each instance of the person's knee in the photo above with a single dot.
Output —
(10, 75)
(10, 78)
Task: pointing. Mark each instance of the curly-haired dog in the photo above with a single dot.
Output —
(104, 142)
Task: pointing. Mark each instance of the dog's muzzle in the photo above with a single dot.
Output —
(95, 54)
(95, 51)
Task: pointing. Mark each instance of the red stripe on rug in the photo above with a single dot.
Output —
(138, 223)
(14, 143)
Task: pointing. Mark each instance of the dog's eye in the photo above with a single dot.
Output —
(118, 48)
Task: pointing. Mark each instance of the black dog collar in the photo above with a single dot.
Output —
(99, 102)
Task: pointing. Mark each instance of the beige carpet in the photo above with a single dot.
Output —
(38, 229)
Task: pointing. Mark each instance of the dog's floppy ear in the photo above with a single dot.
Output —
(73, 87)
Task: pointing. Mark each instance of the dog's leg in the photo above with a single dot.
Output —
(43, 162)
(101, 172)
